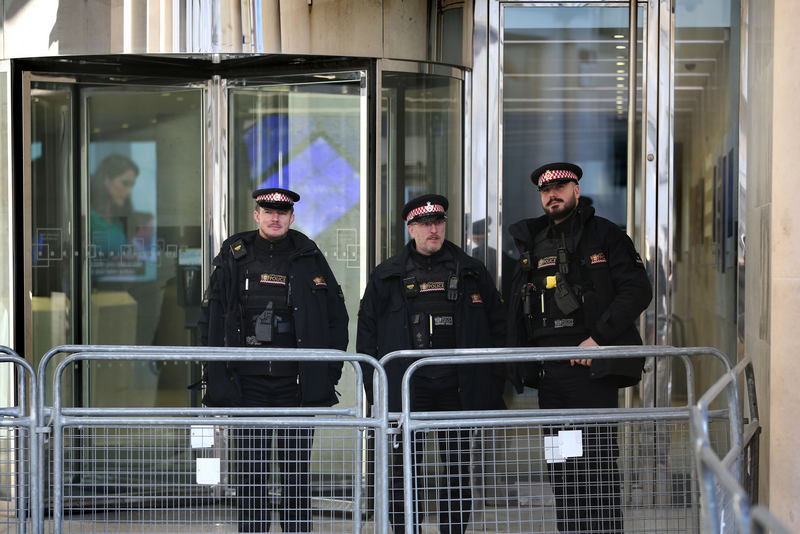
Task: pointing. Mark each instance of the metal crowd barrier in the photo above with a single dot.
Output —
(147, 469)
(648, 485)
(18, 460)
(725, 503)
(192, 469)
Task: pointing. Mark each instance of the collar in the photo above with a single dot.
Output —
(283, 245)
(441, 255)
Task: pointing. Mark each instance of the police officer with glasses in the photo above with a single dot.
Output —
(434, 296)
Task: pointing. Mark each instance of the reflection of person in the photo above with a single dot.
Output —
(579, 282)
(433, 295)
(273, 288)
(112, 213)
(488, 255)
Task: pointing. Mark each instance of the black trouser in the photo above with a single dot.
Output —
(254, 460)
(455, 495)
(587, 488)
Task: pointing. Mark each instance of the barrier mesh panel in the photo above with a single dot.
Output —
(214, 478)
(14, 478)
(623, 477)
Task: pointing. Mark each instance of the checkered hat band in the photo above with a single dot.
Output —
(549, 176)
(427, 209)
(274, 197)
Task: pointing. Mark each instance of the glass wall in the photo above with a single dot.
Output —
(706, 181)
(422, 151)
(565, 98)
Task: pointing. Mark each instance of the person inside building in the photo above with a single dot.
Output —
(579, 282)
(434, 296)
(273, 288)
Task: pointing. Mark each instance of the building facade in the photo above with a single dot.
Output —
(360, 106)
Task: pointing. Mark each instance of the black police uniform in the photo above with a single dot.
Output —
(283, 295)
(406, 306)
(578, 279)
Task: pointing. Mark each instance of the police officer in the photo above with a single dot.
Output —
(579, 282)
(433, 295)
(273, 288)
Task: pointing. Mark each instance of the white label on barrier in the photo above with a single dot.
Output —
(569, 441)
(202, 436)
(552, 452)
(207, 471)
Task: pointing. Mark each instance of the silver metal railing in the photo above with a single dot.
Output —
(680, 468)
(726, 505)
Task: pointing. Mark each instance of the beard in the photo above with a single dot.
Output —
(561, 210)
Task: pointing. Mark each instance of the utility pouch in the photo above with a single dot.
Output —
(565, 298)
(264, 325)
(528, 299)
(420, 328)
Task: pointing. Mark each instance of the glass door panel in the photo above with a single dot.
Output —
(114, 224)
(143, 182)
(422, 143)
(50, 272)
(309, 137)
(564, 97)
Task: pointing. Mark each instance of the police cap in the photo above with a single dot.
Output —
(556, 173)
(275, 198)
(425, 208)
(479, 227)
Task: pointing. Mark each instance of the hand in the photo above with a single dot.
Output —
(588, 342)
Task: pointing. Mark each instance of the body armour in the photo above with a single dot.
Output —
(265, 303)
(553, 295)
(432, 291)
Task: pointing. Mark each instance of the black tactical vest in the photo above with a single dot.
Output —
(555, 311)
(267, 320)
(432, 312)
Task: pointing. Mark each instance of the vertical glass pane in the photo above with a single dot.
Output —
(706, 177)
(143, 184)
(52, 276)
(307, 138)
(565, 98)
(422, 149)
(310, 138)
(7, 252)
(6, 214)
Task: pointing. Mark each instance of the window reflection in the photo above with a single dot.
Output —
(306, 137)
(143, 183)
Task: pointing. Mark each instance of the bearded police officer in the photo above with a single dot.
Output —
(579, 282)
(273, 288)
(433, 295)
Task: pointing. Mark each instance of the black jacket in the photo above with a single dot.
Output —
(384, 326)
(621, 284)
(320, 316)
